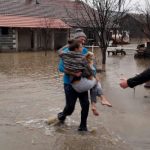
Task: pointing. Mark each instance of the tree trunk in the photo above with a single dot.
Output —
(103, 59)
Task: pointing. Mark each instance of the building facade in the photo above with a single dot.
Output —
(25, 26)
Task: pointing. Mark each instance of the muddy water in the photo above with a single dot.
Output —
(129, 117)
(31, 90)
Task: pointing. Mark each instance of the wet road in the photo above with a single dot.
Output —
(129, 117)
(31, 90)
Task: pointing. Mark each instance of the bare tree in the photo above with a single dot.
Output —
(143, 16)
(46, 31)
(146, 19)
(101, 16)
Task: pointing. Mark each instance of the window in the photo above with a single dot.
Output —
(4, 31)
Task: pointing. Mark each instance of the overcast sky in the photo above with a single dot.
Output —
(134, 4)
(140, 2)
(137, 5)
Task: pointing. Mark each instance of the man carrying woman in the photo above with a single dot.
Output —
(70, 94)
(70, 91)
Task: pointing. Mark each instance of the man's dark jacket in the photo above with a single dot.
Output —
(139, 79)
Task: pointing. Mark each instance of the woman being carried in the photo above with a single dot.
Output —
(83, 73)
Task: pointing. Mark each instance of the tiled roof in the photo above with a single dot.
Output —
(139, 17)
(46, 8)
(31, 22)
(49, 8)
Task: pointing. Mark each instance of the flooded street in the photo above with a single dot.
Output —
(31, 90)
(129, 117)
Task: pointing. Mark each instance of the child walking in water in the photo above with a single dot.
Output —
(83, 73)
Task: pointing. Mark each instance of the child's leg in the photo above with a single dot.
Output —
(94, 110)
(104, 100)
(93, 101)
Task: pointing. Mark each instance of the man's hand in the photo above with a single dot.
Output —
(123, 83)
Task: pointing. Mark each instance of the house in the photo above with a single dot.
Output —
(26, 33)
(31, 26)
(134, 24)
(44, 24)
(24, 24)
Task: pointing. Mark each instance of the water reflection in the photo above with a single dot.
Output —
(28, 64)
(31, 88)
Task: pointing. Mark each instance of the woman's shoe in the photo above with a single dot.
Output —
(61, 117)
(82, 128)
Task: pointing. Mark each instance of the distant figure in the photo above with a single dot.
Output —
(125, 37)
(121, 38)
(137, 80)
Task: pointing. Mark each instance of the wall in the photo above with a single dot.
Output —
(7, 40)
(61, 38)
(25, 39)
(56, 39)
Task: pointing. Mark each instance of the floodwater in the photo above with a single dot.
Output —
(31, 90)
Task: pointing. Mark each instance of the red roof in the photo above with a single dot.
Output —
(31, 22)
(57, 9)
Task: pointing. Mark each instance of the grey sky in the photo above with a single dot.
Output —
(138, 2)
(135, 5)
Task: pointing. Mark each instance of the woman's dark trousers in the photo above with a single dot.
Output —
(71, 98)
